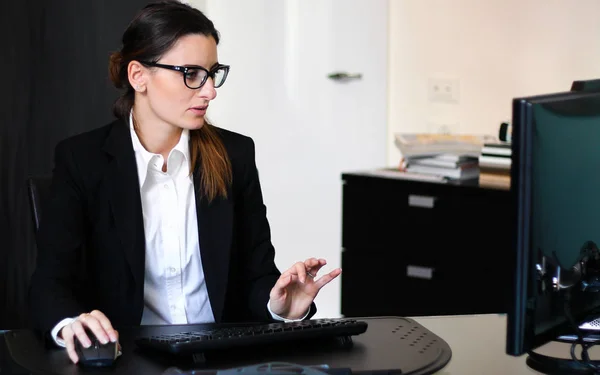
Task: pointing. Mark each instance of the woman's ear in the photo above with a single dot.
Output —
(137, 75)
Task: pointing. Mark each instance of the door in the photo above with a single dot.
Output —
(308, 128)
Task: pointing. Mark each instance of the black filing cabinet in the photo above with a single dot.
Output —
(414, 248)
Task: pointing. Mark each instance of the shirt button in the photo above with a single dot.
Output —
(173, 307)
(172, 269)
(166, 186)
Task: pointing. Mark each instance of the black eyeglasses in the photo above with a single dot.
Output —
(195, 77)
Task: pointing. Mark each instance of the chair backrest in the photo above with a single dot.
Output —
(38, 189)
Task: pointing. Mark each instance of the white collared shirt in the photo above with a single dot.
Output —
(174, 285)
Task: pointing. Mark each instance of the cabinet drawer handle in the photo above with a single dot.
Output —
(419, 272)
(421, 201)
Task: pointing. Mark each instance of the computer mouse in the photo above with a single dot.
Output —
(98, 354)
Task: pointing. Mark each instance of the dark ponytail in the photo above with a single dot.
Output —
(154, 30)
(117, 70)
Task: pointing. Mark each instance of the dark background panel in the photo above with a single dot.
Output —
(55, 84)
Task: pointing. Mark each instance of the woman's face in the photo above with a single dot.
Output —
(168, 96)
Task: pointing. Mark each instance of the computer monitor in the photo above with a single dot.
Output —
(555, 183)
(586, 85)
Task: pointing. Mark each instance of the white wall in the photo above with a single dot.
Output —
(497, 49)
(199, 4)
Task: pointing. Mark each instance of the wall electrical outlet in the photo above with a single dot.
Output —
(444, 129)
(444, 90)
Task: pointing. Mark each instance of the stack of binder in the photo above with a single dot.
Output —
(444, 156)
(451, 166)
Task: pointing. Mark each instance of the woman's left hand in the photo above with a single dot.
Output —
(297, 287)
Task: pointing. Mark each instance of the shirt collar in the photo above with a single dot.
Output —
(183, 145)
(144, 157)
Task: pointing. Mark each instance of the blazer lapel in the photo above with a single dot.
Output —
(215, 224)
(124, 196)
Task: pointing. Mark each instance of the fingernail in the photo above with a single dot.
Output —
(104, 341)
(87, 344)
(113, 338)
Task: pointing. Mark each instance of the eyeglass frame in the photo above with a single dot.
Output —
(184, 70)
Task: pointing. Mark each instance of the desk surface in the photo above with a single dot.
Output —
(390, 343)
(477, 343)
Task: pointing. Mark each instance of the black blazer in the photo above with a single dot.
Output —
(91, 243)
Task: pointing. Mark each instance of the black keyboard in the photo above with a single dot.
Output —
(225, 337)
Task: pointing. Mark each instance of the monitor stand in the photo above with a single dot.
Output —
(585, 275)
(559, 366)
(552, 365)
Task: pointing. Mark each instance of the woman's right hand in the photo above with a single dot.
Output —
(96, 322)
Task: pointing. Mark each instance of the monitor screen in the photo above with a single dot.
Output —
(555, 182)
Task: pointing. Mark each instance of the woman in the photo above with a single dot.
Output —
(158, 217)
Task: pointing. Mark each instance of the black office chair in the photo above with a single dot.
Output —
(16, 314)
(38, 189)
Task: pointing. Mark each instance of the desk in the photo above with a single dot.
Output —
(477, 343)
(376, 349)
